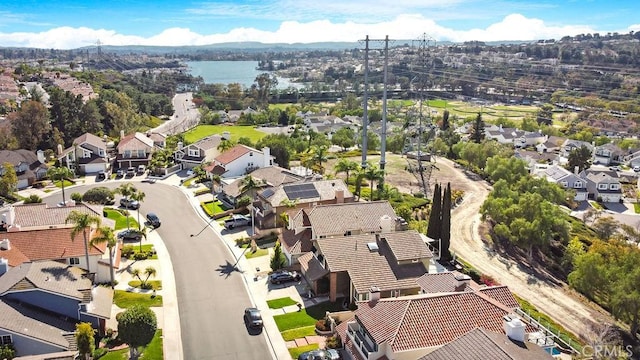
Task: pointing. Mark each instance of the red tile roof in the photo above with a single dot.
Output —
(444, 282)
(429, 320)
(233, 154)
(48, 244)
(501, 294)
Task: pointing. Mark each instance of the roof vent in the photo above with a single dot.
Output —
(5, 244)
(372, 246)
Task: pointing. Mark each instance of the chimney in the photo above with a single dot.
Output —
(462, 281)
(180, 145)
(387, 224)
(4, 266)
(5, 244)
(266, 155)
(40, 155)
(121, 134)
(59, 149)
(514, 328)
(339, 196)
(576, 170)
(374, 295)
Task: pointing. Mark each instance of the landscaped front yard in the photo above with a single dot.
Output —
(120, 219)
(153, 351)
(124, 299)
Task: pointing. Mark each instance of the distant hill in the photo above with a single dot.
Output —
(231, 46)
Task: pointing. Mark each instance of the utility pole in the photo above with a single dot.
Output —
(365, 101)
(383, 135)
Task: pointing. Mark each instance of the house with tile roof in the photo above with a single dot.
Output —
(550, 144)
(87, 155)
(350, 266)
(414, 326)
(565, 178)
(41, 216)
(29, 166)
(350, 219)
(602, 185)
(40, 303)
(292, 197)
(268, 177)
(481, 344)
(57, 245)
(133, 150)
(199, 153)
(241, 160)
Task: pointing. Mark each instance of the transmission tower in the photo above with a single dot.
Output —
(422, 81)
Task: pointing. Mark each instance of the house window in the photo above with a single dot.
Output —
(74, 261)
(348, 233)
(603, 186)
(127, 153)
(250, 154)
(577, 184)
(250, 164)
(564, 183)
(614, 186)
(86, 154)
(194, 152)
(101, 152)
(6, 340)
(141, 153)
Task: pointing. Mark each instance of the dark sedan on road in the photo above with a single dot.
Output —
(253, 318)
(153, 220)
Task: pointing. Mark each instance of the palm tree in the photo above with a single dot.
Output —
(105, 235)
(149, 272)
(319, 155)
(139, 197)
(346, 166)
(143, 234)
(81, 222)
(248, 185)
(60, 173)
(372, 173)
(225, 145)
(126, 190)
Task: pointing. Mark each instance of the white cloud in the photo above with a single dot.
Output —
(402, 27)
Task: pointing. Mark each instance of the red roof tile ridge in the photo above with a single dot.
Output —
(404, 313)
(492, 301)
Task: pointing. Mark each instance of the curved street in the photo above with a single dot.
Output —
(211, 293)
(549, 296)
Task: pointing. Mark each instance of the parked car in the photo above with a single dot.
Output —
(119, 173)
(253, 317)
(280, 277)
(129, 204)
(153, 220)
(102, 175)
(131, 171)
(237, 220)
(615, 168)
(636, 168)
(141, 169)
(130, 235)
(329, 354)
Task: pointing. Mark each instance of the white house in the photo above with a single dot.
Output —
(88, 155)
(566, 179)
(241, 160)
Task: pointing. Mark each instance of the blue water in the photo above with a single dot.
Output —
(552, 350)
(227, 72)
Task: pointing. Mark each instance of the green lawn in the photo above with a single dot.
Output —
(298, 333)
(156, 284)
(437, 103)
(636, 207)
(306, 317)
(67, 183)
(153, 351)
(259, 252)
(121, 220)
(280, 303)
(213, 207)
(236, 132)
(145, 247)
(295, 352)
(124, 299)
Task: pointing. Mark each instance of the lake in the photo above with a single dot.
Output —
(227, 72)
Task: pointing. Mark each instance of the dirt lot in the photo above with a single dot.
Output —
(548, 294)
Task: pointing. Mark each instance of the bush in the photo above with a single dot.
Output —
(334, 342)
(488, 280)
(99, 352)
(33, 199)
(141, 255)
(201, 191)
(100, 195)
(127, 251)
(322, 325)
(77, 197)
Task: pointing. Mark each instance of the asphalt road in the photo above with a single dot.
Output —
(211, 293)
(185, 115)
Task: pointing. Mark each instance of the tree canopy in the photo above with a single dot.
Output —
(136, 327)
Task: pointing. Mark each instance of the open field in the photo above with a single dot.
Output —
(202, 131)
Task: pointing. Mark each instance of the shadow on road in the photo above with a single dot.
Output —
(228, 269)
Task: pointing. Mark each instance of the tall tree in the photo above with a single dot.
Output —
(136, 327)
(346, 166)
(248, 185)
(105, 235)
(30, 124)
(126, 190)
(445, 120)
(579, 158)
(60, 173)
(435, 227)
(477, 134)
(139, 197)
(85, 340)
(373, 173)
(82, 222)
(445, 232)
(278, 260)
(8, 180)
(344, 137)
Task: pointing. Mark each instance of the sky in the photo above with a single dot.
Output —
(72, 24)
